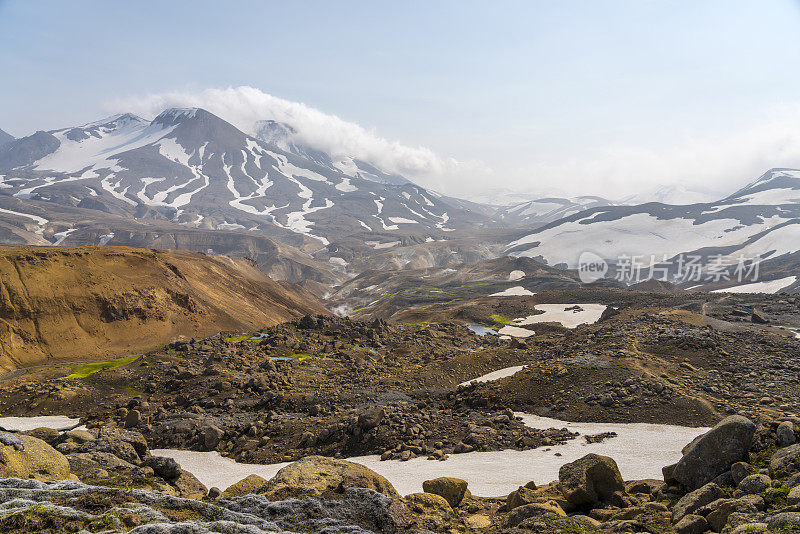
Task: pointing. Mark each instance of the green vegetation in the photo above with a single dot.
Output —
(239, 338)
(501, 319)
(86, 369)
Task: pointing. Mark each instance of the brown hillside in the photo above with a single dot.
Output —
(89, 303)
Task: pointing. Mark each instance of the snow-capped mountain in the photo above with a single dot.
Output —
(545, 210)
(760, 220)
(5, 138)
(191, 167)
(672, 194)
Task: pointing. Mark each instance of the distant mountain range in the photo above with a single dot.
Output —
(179, 180)
(193, 168)
(760, 220)
(5, 138)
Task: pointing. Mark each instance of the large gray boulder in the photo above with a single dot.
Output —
(784, 521)
(714, 452)
(590, 480)
(695, 500)
(786, 460)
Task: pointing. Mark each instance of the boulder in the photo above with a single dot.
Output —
(759, 317)
(750, 528)
(518, 515)
(246, 486)
(478, 522)
(371, 418)
(691, 524)
(427, 503)
(77, 436)
(739, 471)
(793, 497)
(784, 521)
(189, 486)
(452, 489)
(696, 499)
(785, 434)
(48, 435)
(521, 497)
(32, 458)
(717, 512)
(212, 436)
(714, 452)
(753, 484)
(786, 460)
(590, 480)
(649, 486)
(166, 468)
(323, 476)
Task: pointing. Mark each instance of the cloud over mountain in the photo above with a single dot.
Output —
(243, 106)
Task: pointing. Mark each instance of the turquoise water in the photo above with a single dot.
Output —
(481, 330)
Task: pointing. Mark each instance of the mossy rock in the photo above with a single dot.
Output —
(246, 486)
(322, 476)
(36, 460)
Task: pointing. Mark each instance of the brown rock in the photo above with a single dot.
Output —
(452, 489)
(590, 480)
(318, 475)
(246, 486)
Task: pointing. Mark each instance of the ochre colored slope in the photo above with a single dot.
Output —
(89, 303)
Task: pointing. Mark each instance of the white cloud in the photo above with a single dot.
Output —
(718, 163)
(243, 106)
(710, 163)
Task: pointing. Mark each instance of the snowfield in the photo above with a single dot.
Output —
(640, 450)
(516, 291)
(560, 313)
(770, 286)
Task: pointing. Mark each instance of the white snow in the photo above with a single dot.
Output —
(556, 313)
(41, 221)
(768, 286)
(641, 235)
(61, 236)
(390, 244)
(513, 276)
(21, 424)
(104, 239)
(516, 291)
(97, 152)
(495, 375)
(337, 261)
(640, 450)
(515, 331)
(230, 226)
(346, 186)
(401, 220)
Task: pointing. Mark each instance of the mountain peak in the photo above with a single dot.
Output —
(173, 116)
(775, 178)
(116, 120)
(5, 138)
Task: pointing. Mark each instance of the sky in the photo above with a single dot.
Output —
(486, 100)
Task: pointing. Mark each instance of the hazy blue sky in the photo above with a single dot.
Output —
(605, 97)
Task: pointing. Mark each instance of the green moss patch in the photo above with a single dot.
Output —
(86, 369)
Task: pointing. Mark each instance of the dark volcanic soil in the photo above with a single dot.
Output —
(335, 387)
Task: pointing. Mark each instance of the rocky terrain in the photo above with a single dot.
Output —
(316, 389)
(740, 477)
(93, 303)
